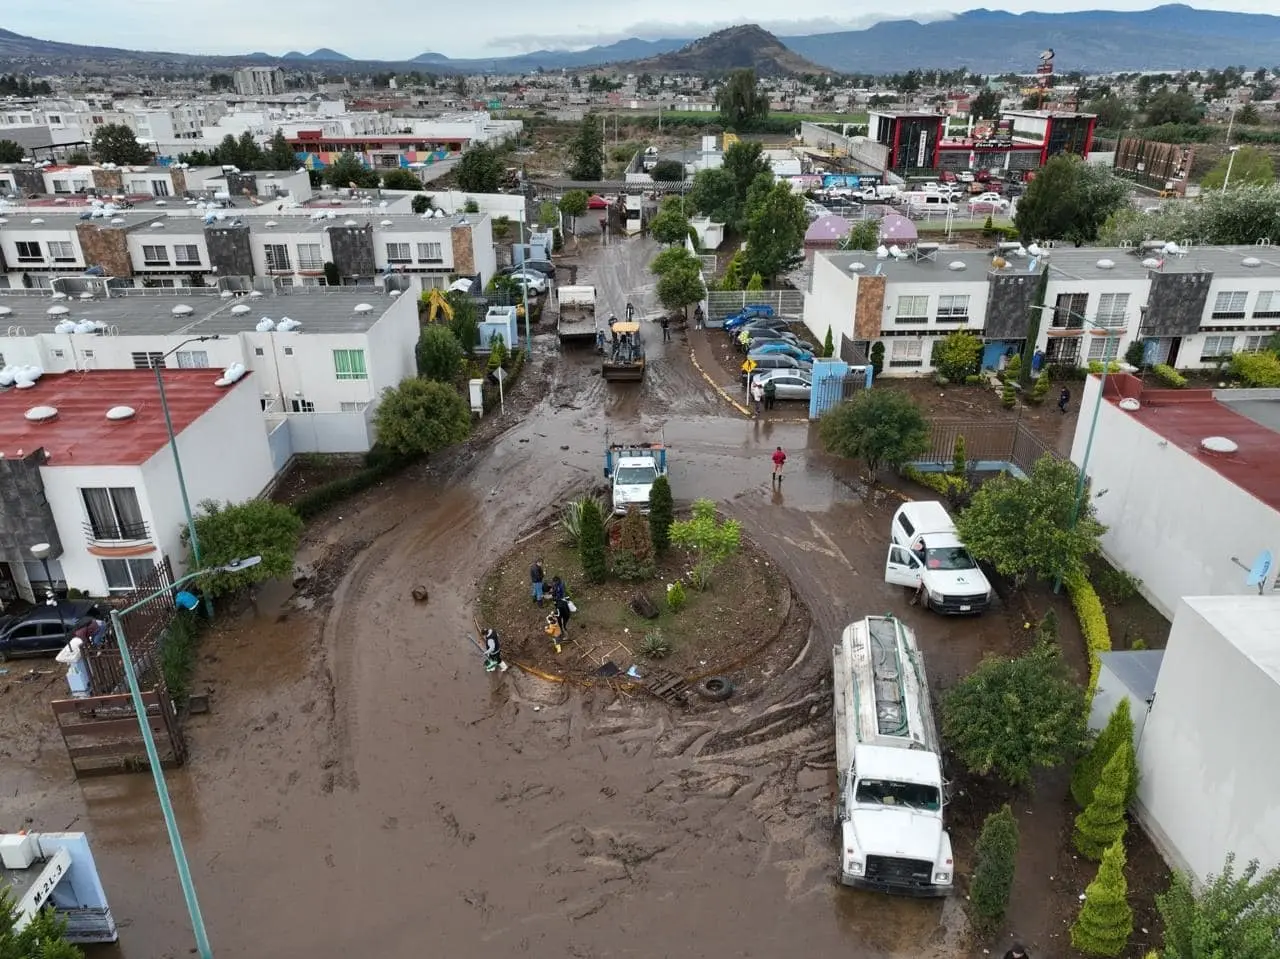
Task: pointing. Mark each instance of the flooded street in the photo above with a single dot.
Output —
(362, 787)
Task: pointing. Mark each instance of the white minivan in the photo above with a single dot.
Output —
(925, 554)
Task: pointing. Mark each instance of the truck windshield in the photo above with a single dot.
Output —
(882, 792)
(636, 475)
(949, 557)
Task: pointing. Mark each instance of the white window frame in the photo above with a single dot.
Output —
(29, 256)
(953, 307)
(300, 405)
(193, 359)
(276, 257)
(425, 249)
(352, 407)
(1215, 347)
(1256, 342)
(1230, 304)
(155, 255)
(160, 188)
(62, 251)
(906, 351)
(1103, 349)
(146, 360)
(1266, 306)
(186, 254)
(1113, 310)
(310, 256)
(399, 253)
(912, 309)
(133, 569)
(354, 358)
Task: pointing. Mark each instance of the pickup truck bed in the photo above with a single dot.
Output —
(577, 326)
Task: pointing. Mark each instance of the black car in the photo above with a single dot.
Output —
(545, 267)
(46, 629)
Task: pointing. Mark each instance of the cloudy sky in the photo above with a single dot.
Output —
(399, 30)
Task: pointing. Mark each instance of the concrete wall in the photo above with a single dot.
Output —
(25, 516)
(62, 486)
(9, 250)
(510, 205)
(1009, 305)
(1176, 303)
(107, 247)
(391, 343)
(229, 250)
(280, 440)
(352, 248)
(866, 152)
(830, 300)
(1173, 521)
(1206, 786)
(331, 432)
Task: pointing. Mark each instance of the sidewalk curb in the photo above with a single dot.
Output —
(716, 386)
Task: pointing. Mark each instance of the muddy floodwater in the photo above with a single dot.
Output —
(362, 788)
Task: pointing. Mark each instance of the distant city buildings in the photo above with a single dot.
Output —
(258, 81)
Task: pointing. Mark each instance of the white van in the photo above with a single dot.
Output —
(932, 200)
(926, 552)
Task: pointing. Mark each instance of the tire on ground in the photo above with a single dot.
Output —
(715, 689)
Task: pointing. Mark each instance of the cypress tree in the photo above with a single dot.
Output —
(994, 858)
(662, 513)
(591, 543)
(1084, 778)
(1105, 921)
(1102, 822)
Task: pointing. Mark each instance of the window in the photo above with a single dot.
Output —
(1229, 305)
(28, 252)
(58, 354)
(277, 256)
(1252, 344)
(1112, 308)
(430, 253)
(302, 406)
(1216, 346)
(1068, 310)
(186, 254)
(398, 253)
(953, 309)
(309, 257)
(114, 513)
(145, 361)
(193, 360)
(353, 407)
(62, 251)
(349, 365)
(907, 351)
(155, 256)
(258, 351)
(1104, 347)
(288, 351)
(61, 186)
(159, 188)
(912, 309)
(1063, 351)
(126, 575)
(1267, 305)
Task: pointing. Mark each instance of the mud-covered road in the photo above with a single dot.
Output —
(363, 788)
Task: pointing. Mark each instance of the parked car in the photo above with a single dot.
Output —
(758, 331)
(965, 176)
(533, 282)
(776, 361)
(785, 349)
(790, 384)
(46, 629)
(757, 343)
(946, 176)
(545, 267)
(989, 202)
(752, 313)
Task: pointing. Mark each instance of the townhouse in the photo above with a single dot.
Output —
(1190, 306)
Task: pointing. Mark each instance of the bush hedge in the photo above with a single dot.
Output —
(1093, 625)
(489, 391)
(954, 488)
(1166, 375)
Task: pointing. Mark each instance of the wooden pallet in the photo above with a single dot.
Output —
(667, 686)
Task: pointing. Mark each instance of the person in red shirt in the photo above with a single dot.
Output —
(779, 458)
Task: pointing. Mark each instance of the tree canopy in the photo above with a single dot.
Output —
(347, 169)
(879, 427)
(668, 171)
(776, 224)
(1172, 106)
(1230, 916)
(41, 938)
(1069, 200)
(1251, 167)
(1023, 527)
(742, 104)
(439, 354)
(1236, 216)
(401, 180)
(116, 143)
(573, 204)
(479, 170)
(670, 225)
(680, 288)
(421, 416)
(722, 193)
(11, 152)
(984, 105)
(586, 151)
(256, 527)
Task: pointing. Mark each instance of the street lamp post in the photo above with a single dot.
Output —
(158, 366)
(1230, 163)
(203, 949)
(41, 552)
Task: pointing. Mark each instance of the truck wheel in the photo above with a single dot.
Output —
(715, 689)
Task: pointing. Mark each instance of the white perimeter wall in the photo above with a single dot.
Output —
(830, 301)
(1174, 522)
(1209, 784)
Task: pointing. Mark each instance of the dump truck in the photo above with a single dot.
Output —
(578, 324)
(623, 352)
(891, 791)
(631, 469)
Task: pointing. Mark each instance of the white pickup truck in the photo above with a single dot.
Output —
(891, 790)
(631, 469)
(926, 554)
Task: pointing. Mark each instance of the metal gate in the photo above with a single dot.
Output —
(834, 381)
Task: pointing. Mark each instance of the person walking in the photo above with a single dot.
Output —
(779, 460)
(770, 393)
(666, 329)
(1064, 400)
(757, 395)
(698, 317)
(631, 312)
(564, 611)
(536, 577)
(493, 652)
(558, 591)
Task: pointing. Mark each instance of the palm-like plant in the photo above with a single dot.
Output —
(437, 304)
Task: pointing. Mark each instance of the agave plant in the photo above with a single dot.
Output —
(655, 645)
(571, 517)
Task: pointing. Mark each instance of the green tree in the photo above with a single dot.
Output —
(251, 156)
(591, 543)
(755, 284)
(401, 180)
(573, 205)
(670, 225)
(742, 104)
(479, 170)
(712, 194)
(679, 289)
(421, 416)
(1024, 527)
(960, 461)
(865, 235)
(41, 938)
(116, 143)
(633, 559)
(1248, 115)
(710, 540)
(775, 231)
(221, 81)
(1113, 112)
(879, 427)
(420, 204)
(985, 105)
(828, 344)
(1101, 823)
(674, 259)
(994, 856)
(439, 354)
(1069, 199)
(877, 358)
(548, 215)
(1226, 917)
(1256, 370)
(347, 169)
(1106, 920)
(1251, 167)
(11, 152)
(1088, 769)
(958, 354)
(1011, 716)
(744, 163)
(1172, 106)
(280, 156)
(668, 171)
(256, 527)
(732, 279)
(464, 324)
(662, 513)
(227, 152)
(586, 151)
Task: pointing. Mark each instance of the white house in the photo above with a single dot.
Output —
(88, 469)
(1207, 783)
(1182, 515)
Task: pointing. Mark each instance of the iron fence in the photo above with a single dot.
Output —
(722, 303)
(145, 629)
(991, 442)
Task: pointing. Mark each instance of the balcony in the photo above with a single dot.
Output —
(118, 539)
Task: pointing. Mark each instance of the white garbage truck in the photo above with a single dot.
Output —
(891, 790)
(631, 469)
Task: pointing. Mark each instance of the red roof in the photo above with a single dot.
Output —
(1186, 417)
(81, 434)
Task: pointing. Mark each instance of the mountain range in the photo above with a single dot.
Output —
(1168, 37)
